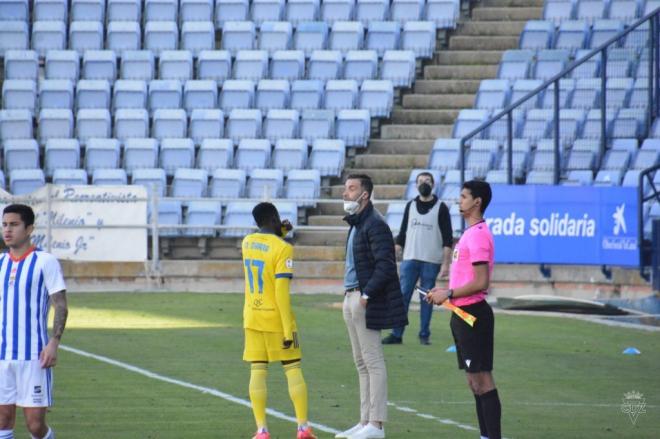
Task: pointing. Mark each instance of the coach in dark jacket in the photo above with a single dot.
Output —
(372, 302)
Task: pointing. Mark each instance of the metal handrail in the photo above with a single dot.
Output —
(555, 79)
(641, 199)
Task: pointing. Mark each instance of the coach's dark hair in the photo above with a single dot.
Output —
(425, 174)
(264, 212)
(365, 182)
(480, 189)
(26, 213)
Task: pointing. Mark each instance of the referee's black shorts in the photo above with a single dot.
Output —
(474, 345)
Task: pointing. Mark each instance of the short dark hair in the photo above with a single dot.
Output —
(480, 189)
(425, 174)
(264, 212)
(365, 182)
(24, 211)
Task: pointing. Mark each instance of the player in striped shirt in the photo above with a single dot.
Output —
(31, 281)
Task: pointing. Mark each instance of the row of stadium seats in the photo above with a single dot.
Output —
(443, 12)
(577, 34)
(580, 94)
(558, 11)
(326, 156)
(159, 36)
(544, 64)
(302, 185)
(351, 126)
(195, 96)
(397, 66)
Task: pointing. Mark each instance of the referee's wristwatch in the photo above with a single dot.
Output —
(450, 294)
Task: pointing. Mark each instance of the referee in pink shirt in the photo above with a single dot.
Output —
(469, 280)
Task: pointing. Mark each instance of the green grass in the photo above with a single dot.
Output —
(558, 378)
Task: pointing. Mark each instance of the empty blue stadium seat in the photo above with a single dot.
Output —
(140, 153)
(124, 35)
(266, 10)
(24, 181)
(128, 93)
(361, 65)
(238, 35)
(382, 36)
(169, 214)
(59, 154)
(169, 123)
(253, 154)
(281, 124)
(109, 177)
(54, 123)
(537, 34)
(175, 64)
(275, 35)
(325, 65)
(394, 215)
(131, 123)
(19, 94)
(298, 11)
(337, 10)
(469, 120)
(516, 64)
(306, 94)
(328, 157)
(93, 94)
(85, 35)
(591, 10)
(197, 36)
(15, 124)
(244, 124)
(311, 36)
(14, 35)
(62, 64)
(290, 154)
(420, 37)
(604, 30)
(165, 94)
(124, 10)
(272, 94)
(550, 63)
(200, 94)
(251, 65)
(21, 154)
(398, 66)
(21, 64)
(228, 183)
(238, 218)
(586, 94)
(202, 213)
(302, 186)
(101, 154)
(230, 10)
(493, 93)
(444, 13)
(48, 35)
(317, 124)
(377, 97)
(70, 177)
(137, 65)
(265, 183)
(57, 10)
(406, 10)
(558, 11)
(341, 94)
(93, 123)
(206, 124)
(346, 35)
(189, 183)
(521, 88)
(176, 154)
(152, 179)
(353, 127)
(236, 94)
(214, 65)
(572, 35)
(367, 11)
(214, 154)
(288, 65)
(160, 36)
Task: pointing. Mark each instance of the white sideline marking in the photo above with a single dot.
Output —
(205, 390)
(431, 417)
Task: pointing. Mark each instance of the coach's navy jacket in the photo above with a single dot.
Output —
(375, 266)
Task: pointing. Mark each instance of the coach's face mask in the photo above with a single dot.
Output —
(424, 189)
(350, 207)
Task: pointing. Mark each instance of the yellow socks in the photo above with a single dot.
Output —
(297, 390)
(259, 393)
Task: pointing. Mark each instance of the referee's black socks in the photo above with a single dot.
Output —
(492, 414)
(480, 416)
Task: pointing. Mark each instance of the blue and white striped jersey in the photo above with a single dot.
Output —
(27, 284)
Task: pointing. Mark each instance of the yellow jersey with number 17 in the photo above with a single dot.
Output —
(267, 257)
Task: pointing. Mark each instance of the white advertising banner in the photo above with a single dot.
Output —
(73, 209)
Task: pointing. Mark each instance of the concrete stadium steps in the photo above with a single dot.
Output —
(496, 13)
(491, 42)
(417, 132)
(390, 161)
(389, 146)
(468, 71)
(423, 116)
(381, 191)
(438, 101)
(448, 86)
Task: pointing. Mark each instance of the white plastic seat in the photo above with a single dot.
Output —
(328, 157)
(62, 64)
(341, 94)
(346, 35)
(15, 124)
(196, 10)
(266, 10)
(298, 11)
(14, 35)
(353, 127)
(88, 10)
(102, 154)
(290, 154)
(124, 10)
(214, 65)
(161, 10)
(175, 64)
(236, 94)
(85, 35)
(197, 36)
(140, 153)
(19, 94)
(176, 153)
(200, 94)
(61, 154)
(367, 11)
(420, 37)
(21, 64)
(230, 10)
(100, 64)
(238, 35)
(48, 35)
(317, 124)
(306, 94)
(131, 123)
(56, 93)
(281, 124)
(399, 67)
(165, 94)
(406, 10)
(228, 183)
(272, 94)
(138, 64)
(311, 36)
(382, 36)
(265, 183)
(24, 181)
(337, 10)
(161, 35)
(288, 64)
(275, 35)
(244, 124)
(303, 186)
(215, 154)
(253, 154)
(54, 123)
(93, 123)
(251, 65)
(93, 94)
(325, 65)
(21, 154)
(169, 123)
(50, 10)
(124, 35)
(206, 124)
(361, 65)
(378, 97)
(128, 93)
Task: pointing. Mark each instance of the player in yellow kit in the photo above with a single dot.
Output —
(270, 326)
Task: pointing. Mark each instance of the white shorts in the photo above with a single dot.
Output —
(25, 384)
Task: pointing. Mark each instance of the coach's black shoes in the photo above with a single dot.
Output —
(425, 341)
(392, 339)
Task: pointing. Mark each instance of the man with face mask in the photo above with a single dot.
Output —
(425, 239)
(372, 302)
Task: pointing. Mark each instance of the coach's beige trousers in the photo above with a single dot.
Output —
(369, 360)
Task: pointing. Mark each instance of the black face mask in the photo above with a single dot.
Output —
(424, 189)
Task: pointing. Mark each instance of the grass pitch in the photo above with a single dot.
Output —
(557, 378)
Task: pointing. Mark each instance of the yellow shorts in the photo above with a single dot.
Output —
(267, 346)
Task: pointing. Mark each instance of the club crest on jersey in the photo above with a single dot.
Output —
(37, 390)
(289, 263)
